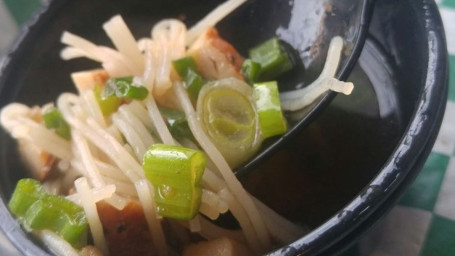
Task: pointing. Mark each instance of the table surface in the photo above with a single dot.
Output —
(423, 222)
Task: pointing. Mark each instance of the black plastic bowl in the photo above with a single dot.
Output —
(340, 175)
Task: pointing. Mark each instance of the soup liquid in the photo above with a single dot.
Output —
(337, 155)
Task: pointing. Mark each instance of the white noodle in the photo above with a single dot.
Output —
(126, 160)
(88, 163)
(212, 19)
(114, 62)
(111, 171)
(159, 123)
(91, 213)
(98, 194)
(123, 188)
(209, 211)
(171, 32)
(130, 135)
(69, 53)
(194, 224)
(128, 115)
(242, 217)
(93, 107)
(162, 67)
(298, 99)
(102, 139)
(14, 118)
(124, 41)
(141, 113)
(149, 76)
(142, 43)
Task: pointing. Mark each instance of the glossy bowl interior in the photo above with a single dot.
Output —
(344, 171)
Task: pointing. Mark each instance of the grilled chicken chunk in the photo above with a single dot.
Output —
(126, 231)
(215, 57)
(86, 80)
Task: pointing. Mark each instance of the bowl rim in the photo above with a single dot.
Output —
(424, 122)
(376, 199)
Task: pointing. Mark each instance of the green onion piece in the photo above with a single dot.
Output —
(26, 193)
(177, 123)
(226, 111)
(251, 71)
(184, 64)
(272, 57)
(175, 173)
(123, 88)
(194, 83)
(39, 210)
(187, 69)
(130, 91)
(111, 85)
(108, 103)
(61, 216)
(268, 105)
(53, 119)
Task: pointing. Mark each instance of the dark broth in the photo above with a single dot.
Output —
(334, 158)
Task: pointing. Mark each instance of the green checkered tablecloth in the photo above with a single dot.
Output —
(423, 222)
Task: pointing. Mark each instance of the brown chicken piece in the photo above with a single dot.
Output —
(215, 57)
(86, 80)
(126, 231)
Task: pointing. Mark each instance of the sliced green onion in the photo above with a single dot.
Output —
(111, 85)
(227, 113)
(175, 173)
(187, 69)
(272, 57)
(251, 71)
(39, 210)
(123, 88)
(194, 83)
(108, 103)
(129, 91)
(268, 107)
(184, 64)
(177, 123)
(26, 193)
(53, 119)
(60, 215)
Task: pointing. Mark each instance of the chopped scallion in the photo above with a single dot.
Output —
(177, 123)
(39, 210)
(184, 64)
(187, 69)
(124, 88)
(108, 103)
(268, 106)
(175, 173)
(53, 119)
(60, 215)
(251, 70)
(129, 91)
(26, 193)
(272, 57)
(194, 83)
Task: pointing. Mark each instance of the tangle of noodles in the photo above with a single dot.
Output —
(103, 159)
